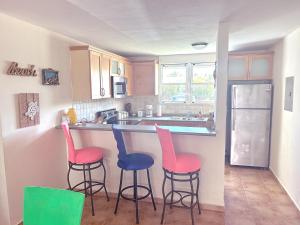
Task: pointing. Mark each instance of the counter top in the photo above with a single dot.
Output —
(201, 131)
(168, 118)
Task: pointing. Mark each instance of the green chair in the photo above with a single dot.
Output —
(48, 206)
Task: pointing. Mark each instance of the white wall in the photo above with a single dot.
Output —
(4, 213)
(34, 155)
(285, 151)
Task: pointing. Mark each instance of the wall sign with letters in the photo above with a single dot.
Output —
(14, 69)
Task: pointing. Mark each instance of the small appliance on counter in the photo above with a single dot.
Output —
(140, 113)
(122, 115)
(119, 88)
(128, 108)
(111, 116)
(149, 110)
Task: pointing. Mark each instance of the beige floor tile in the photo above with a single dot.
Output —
(260, 201)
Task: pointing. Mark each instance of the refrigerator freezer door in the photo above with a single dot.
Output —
(252, 96)
(250, 131)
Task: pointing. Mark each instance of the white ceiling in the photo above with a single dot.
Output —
(161, 27)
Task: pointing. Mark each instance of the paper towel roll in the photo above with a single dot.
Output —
(159, 111)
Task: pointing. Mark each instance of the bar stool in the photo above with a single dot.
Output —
(85, 160)
(132, 162)
(181, 167)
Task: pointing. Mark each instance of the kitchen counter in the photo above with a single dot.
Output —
(169, 118)
(203, 131)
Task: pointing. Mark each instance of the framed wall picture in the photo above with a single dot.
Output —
(50, 77)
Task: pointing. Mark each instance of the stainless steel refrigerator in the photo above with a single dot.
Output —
(251, 107)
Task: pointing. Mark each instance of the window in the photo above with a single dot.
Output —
(188, 83)
(174, 79)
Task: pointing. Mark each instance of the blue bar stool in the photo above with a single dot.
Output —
(132, 162)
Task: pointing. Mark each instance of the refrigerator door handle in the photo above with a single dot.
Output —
(234, 96)
(233, 120)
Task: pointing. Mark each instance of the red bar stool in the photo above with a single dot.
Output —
(85, 160)
(181, 167)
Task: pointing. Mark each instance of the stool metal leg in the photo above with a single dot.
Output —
(172, 190)
(119, 193)
(68, 177)
(148, 176)
(197, 193)
(192, 198)
(104, 183)
(164, 197)
(135, 196)
(84, 179)
(91, 189)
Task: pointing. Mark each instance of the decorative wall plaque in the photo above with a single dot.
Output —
(50, 77)
(14, 69)
(29, 111)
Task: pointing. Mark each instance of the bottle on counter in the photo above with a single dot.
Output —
(72, 115)
(159, 110)
(64, 116)
(211, 121)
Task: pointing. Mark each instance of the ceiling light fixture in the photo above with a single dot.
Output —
(199, 45)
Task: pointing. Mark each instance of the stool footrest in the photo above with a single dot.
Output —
(182, 195)
(94, 183)
(132, 198)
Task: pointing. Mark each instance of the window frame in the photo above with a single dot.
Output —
(189, 83)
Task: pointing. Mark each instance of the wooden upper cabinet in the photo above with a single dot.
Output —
(238, 67)
(129, 76)
(260, 67)
(90, 75)
(95, 61)
(145, 77)
(105, 76)
(250, 66)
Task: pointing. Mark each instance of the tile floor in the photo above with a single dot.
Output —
(252, 197)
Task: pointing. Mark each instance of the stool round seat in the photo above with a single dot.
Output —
(135, 161)
(186, 163)
(88, 155)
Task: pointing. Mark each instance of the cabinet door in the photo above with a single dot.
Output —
(260, 67)
(105, 77)
(144, 78)
(95, 75)
(238, 67)
(121, 69)
(129, 76)
(114, 67)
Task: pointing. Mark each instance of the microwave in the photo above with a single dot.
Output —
(119, 86)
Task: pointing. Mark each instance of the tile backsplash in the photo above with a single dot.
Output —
(88, 109)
